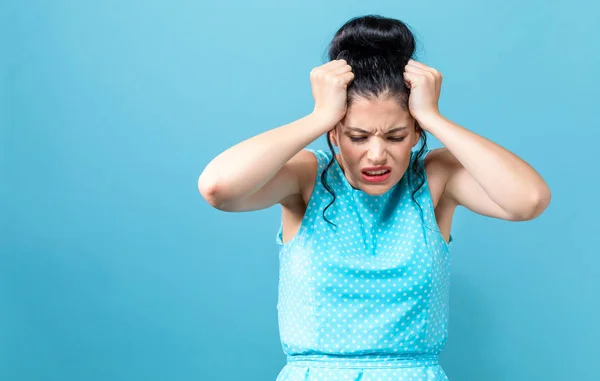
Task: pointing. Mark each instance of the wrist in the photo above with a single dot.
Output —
(428, 118)
(324, 122)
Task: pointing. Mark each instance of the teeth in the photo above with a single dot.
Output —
(377, 172)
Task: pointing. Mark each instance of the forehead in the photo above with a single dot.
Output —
(379, 114)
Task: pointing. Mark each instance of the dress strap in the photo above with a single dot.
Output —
(423, 195)
(314, 201)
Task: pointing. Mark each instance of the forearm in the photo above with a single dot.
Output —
(507, 179)
(244, 168)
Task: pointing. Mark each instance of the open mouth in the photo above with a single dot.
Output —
(376, 176)
(376, 173)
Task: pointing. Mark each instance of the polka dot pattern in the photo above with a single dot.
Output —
(366, 300)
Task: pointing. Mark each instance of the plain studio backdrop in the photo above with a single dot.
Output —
(113, 267)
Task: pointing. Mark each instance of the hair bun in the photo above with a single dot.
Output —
(363, 43)
(372, 35)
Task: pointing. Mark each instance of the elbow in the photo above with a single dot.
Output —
(540, 202)
(208, 190)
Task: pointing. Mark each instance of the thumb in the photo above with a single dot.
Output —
(409, 79)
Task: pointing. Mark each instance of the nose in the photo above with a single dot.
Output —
(377, 152)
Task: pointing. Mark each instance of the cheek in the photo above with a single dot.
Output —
(351, 151)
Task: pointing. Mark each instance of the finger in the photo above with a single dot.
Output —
(325, 68)
(417, 63)
(415, 69)
(340, 70)
(421, 72)
(410, 79)
(422, 66)
(348, 77)
(332, 65)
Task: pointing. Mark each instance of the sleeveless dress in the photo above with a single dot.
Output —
(367, 299)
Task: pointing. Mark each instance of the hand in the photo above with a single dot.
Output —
(425, 86)
(329, 84)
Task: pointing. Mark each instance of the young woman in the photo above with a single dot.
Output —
(366, 296)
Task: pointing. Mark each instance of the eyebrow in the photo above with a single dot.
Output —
(388, 132)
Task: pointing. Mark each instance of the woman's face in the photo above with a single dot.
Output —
(374, 133)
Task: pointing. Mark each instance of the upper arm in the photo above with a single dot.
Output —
(286, 186)
(462, 188)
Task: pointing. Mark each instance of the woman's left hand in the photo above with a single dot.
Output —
(425, 86)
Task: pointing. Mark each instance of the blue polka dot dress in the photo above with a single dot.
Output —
(366, 300)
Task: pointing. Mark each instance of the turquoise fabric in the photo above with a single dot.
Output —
(367, 300)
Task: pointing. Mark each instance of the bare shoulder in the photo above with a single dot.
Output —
(438, 167)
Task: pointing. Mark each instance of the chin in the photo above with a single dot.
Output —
(376, 190)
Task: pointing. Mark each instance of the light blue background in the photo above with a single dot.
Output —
(113, 267)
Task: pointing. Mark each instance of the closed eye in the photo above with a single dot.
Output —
(355, 139)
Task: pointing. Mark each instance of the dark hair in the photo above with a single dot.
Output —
(377, 48)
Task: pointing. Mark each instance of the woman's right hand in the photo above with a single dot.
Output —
(329, 88)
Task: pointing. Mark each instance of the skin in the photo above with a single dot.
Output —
(469, 170)
(378, 146)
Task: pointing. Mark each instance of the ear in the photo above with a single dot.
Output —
(333, 136)
(417, 135)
